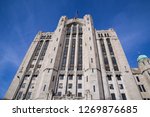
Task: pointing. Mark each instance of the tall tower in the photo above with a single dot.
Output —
(76, 61)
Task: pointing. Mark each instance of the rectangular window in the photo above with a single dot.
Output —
(32, 85)
(60, 85)
(70, 77)
(23, 85)
(38, 66)
(87, 79)
(111, 86)
(141, 88)
(69, 86)
(44, 87)
(79, 86)
(109, 77)
(79, 77)
(91, 60)
(34, 77)
(51, 60)
(31, 66)
(105, 59)
(94, 88)
(28, 95)
(79, 62)
(137, 78)
(124, 96)
(59, 93)
(121, 86)
(19, 95)
(61, 77)
(53, 78)
(118, 77)
(79, 94)
(113, 97)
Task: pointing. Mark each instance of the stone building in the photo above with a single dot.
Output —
(142, 76)
(78, 62)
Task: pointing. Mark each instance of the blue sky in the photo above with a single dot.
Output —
(20, 20)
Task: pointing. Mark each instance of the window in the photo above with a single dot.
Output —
(94, 88)
(60, 85)
(71, 66)
(51, 60)
(28, 95)
(91, 60)
(48, 37)
(105, 59)
(79, 86)
(70, 77)
(38, 66)
(59, 93)
(23, 85)
(123, 96)
(53, 78)
(32, 85)
(57, 39)
(87, 79)
(69, 86)
(54, 48)
(34, 77)
(121, 86)
(31, 66)
(89, 38)
(80, 94)
(111, 86)
(61, 77)
(90, 48)
(79, 62)
(141, 88)
(79, 77)
(109, 77)
(19, 95)
(146, 98)
(113, 97)
(44, 87)
(137, 78)
(118, 77)
(63, 64)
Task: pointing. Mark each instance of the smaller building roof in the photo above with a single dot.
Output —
(141, 57)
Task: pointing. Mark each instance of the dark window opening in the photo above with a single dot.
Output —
(118, 77)
(113, 97)
(124, 96)
(79, 86)
(109, 77)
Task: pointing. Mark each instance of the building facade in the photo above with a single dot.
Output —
(76, 62)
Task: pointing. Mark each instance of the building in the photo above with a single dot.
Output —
(77, 62)
(142, 76)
